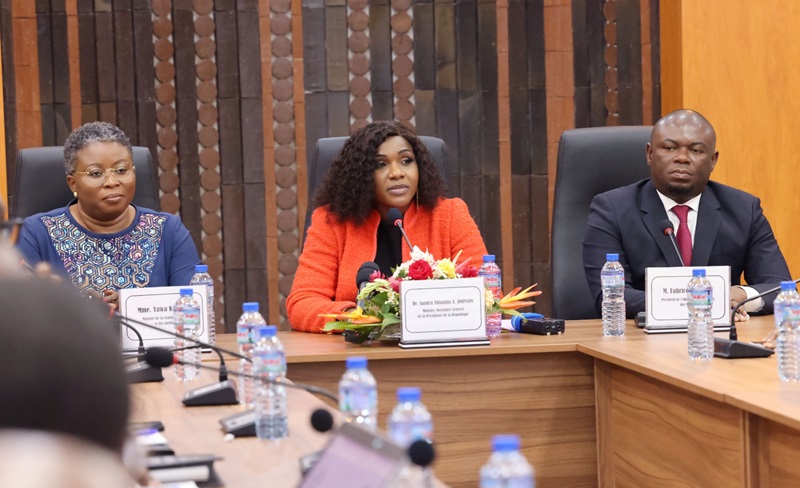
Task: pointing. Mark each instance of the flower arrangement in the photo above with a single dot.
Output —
(382, 296)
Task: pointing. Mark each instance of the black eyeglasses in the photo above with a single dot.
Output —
(9, 230)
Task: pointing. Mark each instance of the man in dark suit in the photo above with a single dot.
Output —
(716, 225)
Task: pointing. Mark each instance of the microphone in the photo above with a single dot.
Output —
(241, 424)
(222, 393)
(124, 319)
(362, 278)
(223, 369)
(321, 420)
(141, 372)
(421, 452)
(396, 217)
(732, 348)
(667, 229)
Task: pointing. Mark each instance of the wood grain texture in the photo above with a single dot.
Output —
(247, 462)
(756, 101)
(662, 436)
(557, 387)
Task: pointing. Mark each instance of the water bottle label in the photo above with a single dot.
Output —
(701, 298)
(244, 335)
(187, 318)
(791, 313)
(616, 279)
(359, 398)
(518, 482)
(405, 435)
(269, 363)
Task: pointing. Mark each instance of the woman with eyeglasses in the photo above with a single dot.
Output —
(100, 240)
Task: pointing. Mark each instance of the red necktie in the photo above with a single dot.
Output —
(684, 235)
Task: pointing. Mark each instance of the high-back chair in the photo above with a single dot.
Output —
(327, 150)
(590, 161)
(40, 185)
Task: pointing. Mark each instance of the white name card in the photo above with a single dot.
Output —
(442, 310)
(665, 292)
(154, 306)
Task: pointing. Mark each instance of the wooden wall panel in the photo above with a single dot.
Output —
(737, 66)
(231, 97)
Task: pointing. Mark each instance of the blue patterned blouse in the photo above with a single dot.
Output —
(155, 250)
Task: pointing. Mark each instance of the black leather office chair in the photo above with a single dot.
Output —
(40, 185)
(327, 150)
(590, 161)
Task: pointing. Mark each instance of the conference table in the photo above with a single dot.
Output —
(245, 462)
(591, 410)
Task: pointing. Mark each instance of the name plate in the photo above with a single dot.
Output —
(154, 306)
(665, 292)
(443, 310)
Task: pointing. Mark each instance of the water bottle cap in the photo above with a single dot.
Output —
(488, 258)
(250, 307)
(408, 394)
(187, 292)
(788, 285)
(699, 273)
(201, 268)
(356, 362)
(505, 443)
(267, 331)
(612, 257)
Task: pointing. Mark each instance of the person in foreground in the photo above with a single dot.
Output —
(726, 226)
(100, 240)
(65, 394)
(381, 166)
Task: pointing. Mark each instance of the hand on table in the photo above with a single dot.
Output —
(737, 296)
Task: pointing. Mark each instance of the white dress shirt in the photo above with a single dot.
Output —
(691, 221)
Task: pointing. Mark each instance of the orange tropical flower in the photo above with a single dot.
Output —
(514, 299)
(356, 317)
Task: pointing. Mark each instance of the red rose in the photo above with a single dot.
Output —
(469, 272)
(420, 270)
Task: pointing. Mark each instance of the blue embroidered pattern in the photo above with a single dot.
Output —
(102, 263)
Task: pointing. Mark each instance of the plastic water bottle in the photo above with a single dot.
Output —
(201, 277)
(410, 420)
(269, 363)
(492, 276)
(787, 321)
(246, 329)
(507, 467)
(700, 297)
(612, 278)
(358, 394)
(186, 317)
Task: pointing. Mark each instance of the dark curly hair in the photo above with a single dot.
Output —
(349, 188)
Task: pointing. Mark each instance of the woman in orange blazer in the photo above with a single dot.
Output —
(381, 166)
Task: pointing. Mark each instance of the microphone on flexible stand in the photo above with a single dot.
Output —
(732, 348)
(362, 277)
(141, 372)
(668, 230)
(241, 424)
(202, 344)
(396, 218)
(222, 393)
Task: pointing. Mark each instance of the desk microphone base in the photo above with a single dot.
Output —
(223, 393)
(143, 373)
(241, 424)
(728, 349)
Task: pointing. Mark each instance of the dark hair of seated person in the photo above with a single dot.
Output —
(62, 367)
(349, 188)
